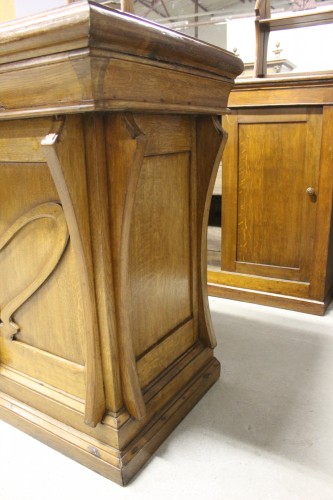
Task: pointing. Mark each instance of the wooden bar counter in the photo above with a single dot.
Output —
(109, 145)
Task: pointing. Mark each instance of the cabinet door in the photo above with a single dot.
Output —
(268, 212)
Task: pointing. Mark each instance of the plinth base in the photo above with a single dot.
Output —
(298, 304)
(119, 466)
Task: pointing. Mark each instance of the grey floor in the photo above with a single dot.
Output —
(263, 432)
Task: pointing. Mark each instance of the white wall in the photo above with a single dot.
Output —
(309, 48)
(26, 8)
(241, 35)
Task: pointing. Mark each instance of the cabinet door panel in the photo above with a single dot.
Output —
(268, 218)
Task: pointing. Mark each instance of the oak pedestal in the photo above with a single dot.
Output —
(107, 163)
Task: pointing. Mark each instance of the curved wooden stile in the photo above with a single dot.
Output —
(127, 158)
(211, 140)
(95, 398)
(51, 211)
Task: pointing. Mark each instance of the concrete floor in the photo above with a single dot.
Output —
(263, 432)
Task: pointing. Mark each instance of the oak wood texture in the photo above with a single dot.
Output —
(107, 165)
(276, 238)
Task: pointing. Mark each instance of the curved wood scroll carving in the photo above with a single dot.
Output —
(51, 211)
(211, 140)
(127, 159)
(95, 399)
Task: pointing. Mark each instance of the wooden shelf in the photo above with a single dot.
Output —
(306, 19)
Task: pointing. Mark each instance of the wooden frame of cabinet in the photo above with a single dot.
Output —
(298, 110)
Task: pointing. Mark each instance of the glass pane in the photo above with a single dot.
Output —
(241, 41)
(207, 20)
(230, 25)
(301, 50)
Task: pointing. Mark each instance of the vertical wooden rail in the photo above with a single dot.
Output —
(262, 11)
(196, 19)
(127, 6)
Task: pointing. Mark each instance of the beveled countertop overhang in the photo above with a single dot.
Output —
(85, 57)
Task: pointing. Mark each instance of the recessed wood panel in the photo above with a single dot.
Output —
(50, 320)
(270, 193)
(166, 134)
(20, 140)
(160, 266)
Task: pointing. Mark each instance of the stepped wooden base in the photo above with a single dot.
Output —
(270, 299)
(118, 465)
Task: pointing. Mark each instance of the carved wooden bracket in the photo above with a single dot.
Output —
(51, 211)
(95, 398)
(125, 175)
(211, 140)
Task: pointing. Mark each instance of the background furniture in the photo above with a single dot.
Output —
(277, 192)
(265, 24)
(109, 145)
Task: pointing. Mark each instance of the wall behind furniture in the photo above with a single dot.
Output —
(7, 10)
(308, 48)
(24, 8)
(10, 9)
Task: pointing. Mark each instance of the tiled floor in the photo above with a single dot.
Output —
(263, 432)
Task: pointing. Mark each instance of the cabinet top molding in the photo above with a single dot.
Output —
(292, 90)
(88, 25)
(85, 57)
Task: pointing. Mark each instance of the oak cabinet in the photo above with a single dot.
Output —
(107, 161)
(277, 200)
